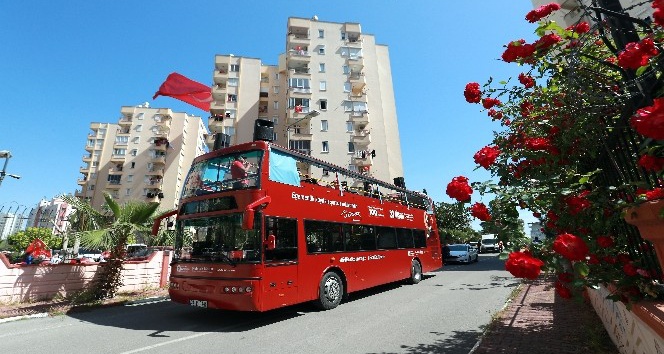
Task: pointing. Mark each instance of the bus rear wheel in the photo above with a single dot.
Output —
(330, 291)
(415, 272)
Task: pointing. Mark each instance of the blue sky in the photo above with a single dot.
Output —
(65, 64)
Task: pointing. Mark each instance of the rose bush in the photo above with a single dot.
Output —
(548, 154)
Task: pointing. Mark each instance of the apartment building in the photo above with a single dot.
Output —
(10, 223)
(572, 11)
(53, 215)
(330, 96)
(144, 156)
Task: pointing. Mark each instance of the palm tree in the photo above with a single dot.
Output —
(111, 230)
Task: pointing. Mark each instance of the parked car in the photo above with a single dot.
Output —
(463, 253)
(93, 254)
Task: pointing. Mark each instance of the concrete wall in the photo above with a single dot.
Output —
(640, 330)
(24, 283)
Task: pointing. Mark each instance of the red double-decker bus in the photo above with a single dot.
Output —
(261, 227)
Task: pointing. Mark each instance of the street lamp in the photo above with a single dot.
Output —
(6, 155)
(309, 115)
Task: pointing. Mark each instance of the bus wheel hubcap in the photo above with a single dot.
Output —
(332, 289)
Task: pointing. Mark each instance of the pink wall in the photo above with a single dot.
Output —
(23, 283)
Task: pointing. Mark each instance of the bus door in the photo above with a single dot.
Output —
(280, 276)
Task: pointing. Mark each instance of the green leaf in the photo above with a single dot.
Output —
(584, 180)
(581, 269)
(641, 70)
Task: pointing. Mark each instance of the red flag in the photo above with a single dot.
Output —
(186, 90)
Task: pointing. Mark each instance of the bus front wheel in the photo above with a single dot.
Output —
(415, 272)
(330, 291)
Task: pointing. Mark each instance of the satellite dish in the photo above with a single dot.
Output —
(315, 18)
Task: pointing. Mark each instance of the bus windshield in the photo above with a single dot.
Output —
(223, 173)
(217, 239)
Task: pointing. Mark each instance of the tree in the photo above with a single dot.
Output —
(453, 220)
(20, 240)
(111, 230)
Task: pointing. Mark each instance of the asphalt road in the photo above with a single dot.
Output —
(445, 313)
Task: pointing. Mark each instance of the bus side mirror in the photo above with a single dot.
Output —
(271, 243)
(248, 220)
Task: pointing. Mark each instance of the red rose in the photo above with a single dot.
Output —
(630, 269)
(565, 277)
(523, 265)
(592, 259)
(541, 12)
(490, 102)
(518, 50)
(526, 80)
(547, 41)
(651, 163)
(581, 27)
(649, 121)
(563, 291)
(486, 156)
(480, 211)
(571, 247)
(658, 15)
(657, 193)
(472, 92)
(636, 54)
(577, 203)
(604, 241)
(623, 258)
(459, 189)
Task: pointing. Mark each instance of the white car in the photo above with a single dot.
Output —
(462, 253)
(92, 254)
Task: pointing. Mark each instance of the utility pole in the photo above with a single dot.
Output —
(6, 155)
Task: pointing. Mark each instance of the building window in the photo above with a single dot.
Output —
(275, 120)
(230, 131)
(128, 191)
(325, 147)
(139, 128)
(326, 172)
(275, 89)
(140, 115)
(91, 142)
(235, 67)
(232, 98)
(349, 126)
(136, 139)
(100, 143)
(323, 104)
(130, 178)
(133, 164)
(91, 187)
(294, 102)
(298, 83)
(321, 33)
(343, 36)
(232, 81)
(121, 152)
(323, 85)
(276, 76)
(121, 140)
(346, 69)
(351, 147)
(321, 50)
(323, 125)
(275, 105)
(321, 67)
(346, 86)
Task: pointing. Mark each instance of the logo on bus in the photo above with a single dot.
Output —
(319, 200)
(375, 211)
(413, 253)
(394, 214)
(372, 257)
(350, 214)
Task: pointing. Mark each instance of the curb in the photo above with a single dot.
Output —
(18, 318)
(487, 330)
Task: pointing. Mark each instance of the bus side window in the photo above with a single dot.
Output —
(420, 238)
(405, 238)
(285, 234)
(386, 238)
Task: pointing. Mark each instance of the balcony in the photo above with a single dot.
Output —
(164, 121)
(218, 106)
(300, 115)
(115, 170)
(81, 181)
(113, 185)
(165, 112)
(295, 39)
(125, 121)
(124, 131)
(79, 194)
(162, 132)
(361, 138)
(219, 92)
(159, 159)
(117, 158)
(299, 56)
(299, 72)
(89, 147)
(355, 60)
(156, 172)
(215, 123)
(353, 41)
(85, 170)
(87, 158)
(302, 135)
(154, 182)
(220, 77)
(362, 159)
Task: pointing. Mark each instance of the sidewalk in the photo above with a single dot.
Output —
(539, 321)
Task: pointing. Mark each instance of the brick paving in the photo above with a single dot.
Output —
(538, 321)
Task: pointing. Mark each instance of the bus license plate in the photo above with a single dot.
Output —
(198, 303)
